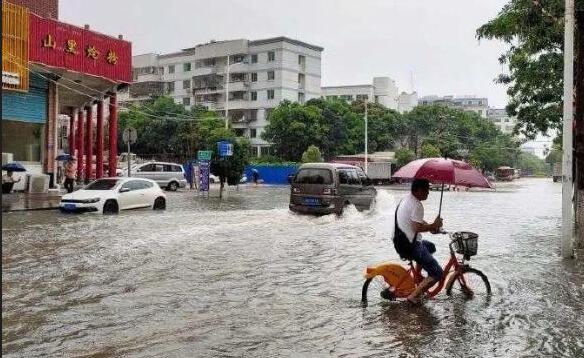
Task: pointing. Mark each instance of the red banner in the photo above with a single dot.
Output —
(57, 44)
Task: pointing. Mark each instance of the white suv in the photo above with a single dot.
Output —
(168, 175)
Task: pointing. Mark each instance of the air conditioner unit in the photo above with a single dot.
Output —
(7, 158)
(38, 184)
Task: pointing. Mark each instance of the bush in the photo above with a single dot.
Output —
(404, 156)
(312, 155)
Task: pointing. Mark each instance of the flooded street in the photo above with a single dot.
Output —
(245, 277)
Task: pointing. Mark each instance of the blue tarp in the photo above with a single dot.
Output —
(271, 174)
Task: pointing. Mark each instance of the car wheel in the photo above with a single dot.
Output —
(172, 186)
(159, 204)
(211, 180)
(110, 207)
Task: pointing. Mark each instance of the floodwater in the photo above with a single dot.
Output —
(245, 277)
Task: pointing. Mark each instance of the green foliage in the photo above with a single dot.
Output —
(430, 151)
(534, 31)
(312, 155)
(404, 156)
(165, 127)
(529, 163)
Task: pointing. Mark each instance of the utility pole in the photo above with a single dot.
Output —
(227, 96)
(366, 139)
(567, 180)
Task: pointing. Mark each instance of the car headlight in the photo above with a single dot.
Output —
(89, 201)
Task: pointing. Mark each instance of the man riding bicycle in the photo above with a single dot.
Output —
(409, 224)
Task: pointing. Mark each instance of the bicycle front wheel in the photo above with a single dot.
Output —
(469, 283)
(373, 288)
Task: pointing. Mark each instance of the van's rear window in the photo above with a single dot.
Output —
(314, 176)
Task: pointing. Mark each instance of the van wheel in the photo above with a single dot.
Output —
(159, 204)
(172, 186)
(110, 207)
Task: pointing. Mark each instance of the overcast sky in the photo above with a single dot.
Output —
(431, 41)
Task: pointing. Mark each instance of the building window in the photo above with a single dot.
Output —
(186, 67)
(254, 96)
(301, 97)
(271, 75)
(170, 87)
(254, 77)
(254, 58)
(267, 113)
(376, 99)
(171, 69)
(265, 151)
(301, 60)
(362, 97)
(253, 133)
(270, 94)
(186, 84)
(187, 101)
(271, 56)
(253, 114)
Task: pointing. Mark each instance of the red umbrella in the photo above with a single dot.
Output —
(443, 171)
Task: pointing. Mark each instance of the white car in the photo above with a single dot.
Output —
(110, 195)
(213, 179)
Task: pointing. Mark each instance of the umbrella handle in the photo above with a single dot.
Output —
(441, 195)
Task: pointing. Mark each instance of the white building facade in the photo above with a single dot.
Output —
(500, 118)
(383, 90)
(241, 79)
(478, 105)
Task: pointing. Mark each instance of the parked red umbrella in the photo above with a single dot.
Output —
(443, 171)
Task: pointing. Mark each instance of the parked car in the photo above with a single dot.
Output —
(110, 195)
(170, 176)
(213, 178)
(325, 188)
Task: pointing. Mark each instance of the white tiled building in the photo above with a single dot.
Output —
(262, 73)
(501, 119)
(479, 105)
(383, 90)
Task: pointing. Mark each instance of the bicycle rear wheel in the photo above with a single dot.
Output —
(373, 287)
(470, 283)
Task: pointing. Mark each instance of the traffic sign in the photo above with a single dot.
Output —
(204, 154)
(225, 149)
(130, 135)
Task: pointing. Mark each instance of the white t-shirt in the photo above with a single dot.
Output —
(410, 209)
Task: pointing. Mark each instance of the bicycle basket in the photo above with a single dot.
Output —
(466, 243)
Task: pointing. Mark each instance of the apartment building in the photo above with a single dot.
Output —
(241, 79)
(500, 118)
(383, 90)
(479, 105)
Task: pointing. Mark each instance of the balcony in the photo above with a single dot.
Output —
(205, 71)
(208, 90)
(212, 106)
(239, 86)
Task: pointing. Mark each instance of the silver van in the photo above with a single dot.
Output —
(325, 188)
(170, 176)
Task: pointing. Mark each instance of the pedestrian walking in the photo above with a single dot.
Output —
(70, 174)
(255, 176)
(8, 182)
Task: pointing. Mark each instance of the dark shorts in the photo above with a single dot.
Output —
(422, 254)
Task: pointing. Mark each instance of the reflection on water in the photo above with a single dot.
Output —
(244, 277)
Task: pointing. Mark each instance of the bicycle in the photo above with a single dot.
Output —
(395, 281)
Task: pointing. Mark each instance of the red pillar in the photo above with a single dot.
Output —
(80, 144)
(88, 143)
(113, 135)
(72, 114)
(99, 144)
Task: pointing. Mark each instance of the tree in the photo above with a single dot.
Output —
(228, 169)
(312, 155)
(534, 31)
(430, 151)
(404, 156)
(531, 164)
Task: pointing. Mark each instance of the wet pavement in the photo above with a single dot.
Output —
(245, 277)
(18, 201)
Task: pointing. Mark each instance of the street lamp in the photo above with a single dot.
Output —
(366, 139)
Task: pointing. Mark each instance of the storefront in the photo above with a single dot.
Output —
(60, 81)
